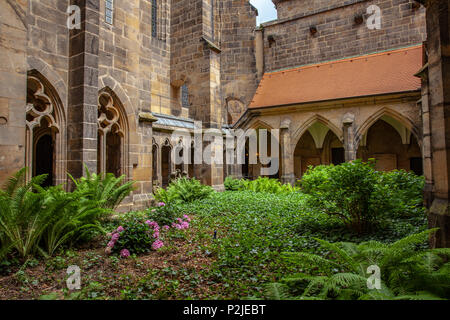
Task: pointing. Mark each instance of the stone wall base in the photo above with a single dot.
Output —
(439, 217)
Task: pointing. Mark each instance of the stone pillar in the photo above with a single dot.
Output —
(438, 42)
(424, 107)
(287, 154)
(83, 90)
(259, 51)
(349, 137)
(13, 88)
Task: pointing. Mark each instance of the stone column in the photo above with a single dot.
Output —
(426, 135)
(438, 29)
(13, 88)
(287, 154)
(349, 137)
(259, 51)
(83, 90)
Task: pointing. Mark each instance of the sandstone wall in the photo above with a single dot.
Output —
(289, 42)
(13, 81)
(238, 65)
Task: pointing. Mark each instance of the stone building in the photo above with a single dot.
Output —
(110, 93)
(338, 89)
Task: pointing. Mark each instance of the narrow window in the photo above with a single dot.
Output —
(154, 18)
(184, 96)
(212, 20)
(109, 12)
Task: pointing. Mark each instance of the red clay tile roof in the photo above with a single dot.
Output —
(380, 73)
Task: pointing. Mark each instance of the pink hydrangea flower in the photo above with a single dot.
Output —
(120, 229)
(184, 225)
(115, 237)
(124, 253)
(166, 227)
(156, 234)
(161, 204)
(157, 244)
(186, 217)
(111, 244)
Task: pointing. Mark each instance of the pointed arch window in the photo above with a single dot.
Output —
(112, 135)
(45, 144)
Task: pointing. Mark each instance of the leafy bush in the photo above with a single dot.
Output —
(23, 216)
(105, 189)
(407, 269)
(405, 191)
(34, 219)
(232, 184)
(183, 190)
(359, 195)
(164, 215)
(265, 184)
(135, 236)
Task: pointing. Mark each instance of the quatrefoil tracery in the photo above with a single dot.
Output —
(40, 107)
(108, 115)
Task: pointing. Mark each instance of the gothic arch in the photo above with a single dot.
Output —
(108, 82)
(45, 115)
(113, 132)
(259, 124)
(19, 11)
(308, 123)
(387, 112)
(39, 66)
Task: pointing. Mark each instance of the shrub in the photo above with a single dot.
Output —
(360, 196)
(134, 237)
(265, 184)
(163, 215)
(232, 184)
(105, 189)
(183, 190)
(408, 271)
(405, 190)
(348, 191)
(43, 219)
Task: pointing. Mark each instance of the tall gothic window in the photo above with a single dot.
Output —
(212, 20)
(184, 96)
(109, 11)
(154, 18)
(45, 145)
(112, 134)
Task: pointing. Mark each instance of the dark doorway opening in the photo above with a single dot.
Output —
(165, 165)
(113, 154)
(337, 156)
(44, 159)
(416, 166)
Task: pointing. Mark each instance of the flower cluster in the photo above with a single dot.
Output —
(114, 237)
(182, 224)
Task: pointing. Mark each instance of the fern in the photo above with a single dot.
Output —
(183, 190)
(106, 189)
(407, 270)
(277, 291)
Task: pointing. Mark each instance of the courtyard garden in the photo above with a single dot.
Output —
(257, 240)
